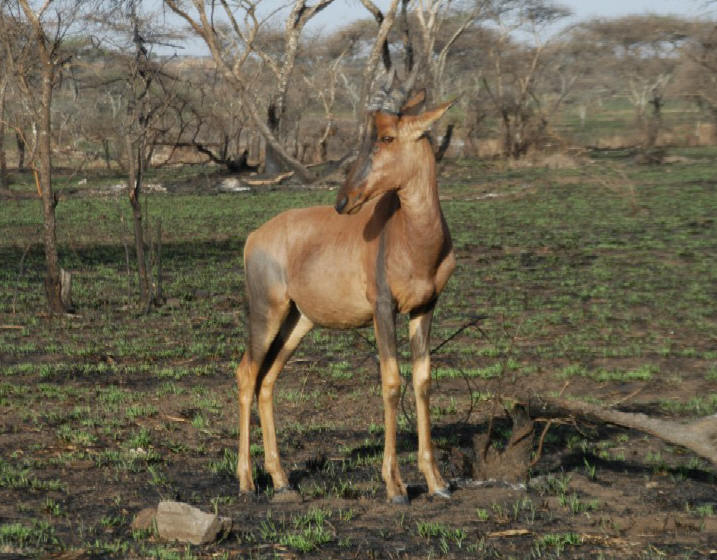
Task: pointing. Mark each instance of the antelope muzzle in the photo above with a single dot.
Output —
(353, 194)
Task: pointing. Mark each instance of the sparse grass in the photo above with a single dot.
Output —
(483, 514)
(697, 406)
(17, 536)
(586, 289)
(22, 477)
(556, 543)
(444, 535)
(557, 484)
(226, 465)
(576, 505)
(303, 533)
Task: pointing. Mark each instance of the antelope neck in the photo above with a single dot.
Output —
(420, 215)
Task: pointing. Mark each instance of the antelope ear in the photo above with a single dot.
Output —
(413, 127)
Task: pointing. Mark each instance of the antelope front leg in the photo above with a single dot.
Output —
(385, 326)
(419, 330)
(246, 382)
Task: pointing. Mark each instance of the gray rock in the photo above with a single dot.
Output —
(177, 521)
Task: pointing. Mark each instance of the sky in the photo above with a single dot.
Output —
(614, 8)
(343, 11)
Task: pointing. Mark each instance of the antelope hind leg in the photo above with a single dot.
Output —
(268, 309)
(249, 373)
(293, 329)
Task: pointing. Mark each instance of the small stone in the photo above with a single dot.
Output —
(177, 521)
(232, 184)
(154, 188)
(144, 519)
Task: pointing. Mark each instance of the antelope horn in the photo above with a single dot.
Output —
(411, 80)
(399, 92)
(391, 96)
(390, 79)
(380, 94)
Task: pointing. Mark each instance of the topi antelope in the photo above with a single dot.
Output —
(384, 248)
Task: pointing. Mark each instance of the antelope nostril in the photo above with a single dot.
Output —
(341, 203)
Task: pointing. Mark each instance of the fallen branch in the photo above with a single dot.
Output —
(271, 181)
(509, 533)
(699, 436)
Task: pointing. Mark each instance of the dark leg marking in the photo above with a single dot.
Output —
(278, 343)
(385, 304)
(420, 341)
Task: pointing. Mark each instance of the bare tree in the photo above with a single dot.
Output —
(643, 51)
(43, 30)
(517, 80)
(350, 43)
(139, 115)
(323, 83)
(379, 50)
(698, 76)
(236, 45)
(15, 60)
(514, 461)
(4, 83)
(212, 120)
(147, 92)
(440, 26)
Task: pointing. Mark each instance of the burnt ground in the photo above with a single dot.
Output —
(595, 492)
(110, 411)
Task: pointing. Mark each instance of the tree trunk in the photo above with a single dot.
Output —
(512, 463)
(273, 163)
(134, 159)
(107, 153)
(4, 178)
(654, 122)
(20, 151)
(158, 296)
(53, 284)
(508, 138)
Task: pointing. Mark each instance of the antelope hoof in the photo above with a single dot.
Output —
(444, 493)
(400, 500)
(247, 496)
(286, 495)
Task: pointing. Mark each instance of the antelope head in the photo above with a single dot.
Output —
(388, 156)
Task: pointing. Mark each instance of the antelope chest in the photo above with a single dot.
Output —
(414, 293)
(417, 284)
(411, 287)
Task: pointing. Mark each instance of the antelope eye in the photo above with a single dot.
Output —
(387, 139)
